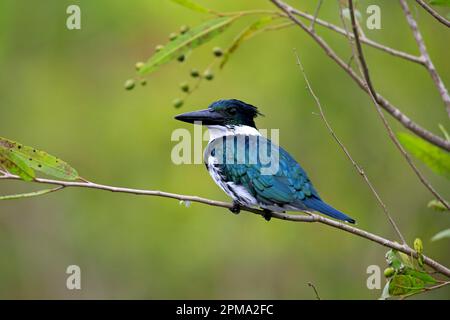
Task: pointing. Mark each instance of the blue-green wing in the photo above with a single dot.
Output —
(288, 184)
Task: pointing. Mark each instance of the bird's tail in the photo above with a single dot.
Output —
(320, 206)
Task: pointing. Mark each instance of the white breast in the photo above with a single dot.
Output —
(237, 192)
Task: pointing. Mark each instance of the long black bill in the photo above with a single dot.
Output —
(206, 117)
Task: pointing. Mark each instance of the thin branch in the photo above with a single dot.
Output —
(315, 290)
(335, 28)
(385, 104)
(311, 217)
(373, 94)
(426, 289)
(434, 13)
(347, 33)
(326, 24)
(30, 194)
(347, 153)
(316, 13)
(426, 57)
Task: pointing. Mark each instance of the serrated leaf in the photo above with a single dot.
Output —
(193, 38)
(437, 205)
(440, 3)
(244, 35)
(435, 158)
(191, 5)
(404, 284)
(406, 261)
(423, 276)
(16, 166)
(441, 235)
(26, 157)
(28, 195)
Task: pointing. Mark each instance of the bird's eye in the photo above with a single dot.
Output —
(232, 111)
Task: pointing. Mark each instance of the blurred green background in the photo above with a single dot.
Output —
(62, 91)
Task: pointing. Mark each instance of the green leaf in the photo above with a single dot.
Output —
(435, 158)
(441, 235)
(188, 41)
(27, 157)
(423, 276)
(405, 260)
(394, 260)
(404, 284)
(245, 34)
(437, 205)
(28, 195)
(440, 3)
(15, 165)
(192, 5)
(418, 246)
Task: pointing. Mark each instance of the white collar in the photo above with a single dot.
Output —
(221, 131)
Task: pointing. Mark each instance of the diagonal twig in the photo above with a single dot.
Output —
(374, 44)
(373, 94)
(310, 284)
(384, 103)
(347, 153)
(428, 63)
(316, 14)
(434, 13)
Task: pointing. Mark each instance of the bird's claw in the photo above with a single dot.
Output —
(236, 208)
(267, 214)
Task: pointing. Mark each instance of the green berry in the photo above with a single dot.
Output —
(195, 73)
(172, 36)
(184, 29)
(159, 47)
(181, 58)
(177, 103)
(218, 52)
(208, 75)
(143, 82)
(129, 84)
(184, 86)
(139, 65)
(389, 272)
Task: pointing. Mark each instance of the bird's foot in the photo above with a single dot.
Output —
(236, 207)
(267, 214)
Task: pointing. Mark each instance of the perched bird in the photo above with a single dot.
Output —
(234, 160)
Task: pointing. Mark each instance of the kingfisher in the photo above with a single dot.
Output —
(252, 170)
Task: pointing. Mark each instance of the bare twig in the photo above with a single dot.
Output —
(426, 289)
(434, 13)
(385, 104)
(347, 153)
(311, 217)
(315, 290)
(373, 94)
(328, 25)
(367, 41)
(316, 14)
(426, 57)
